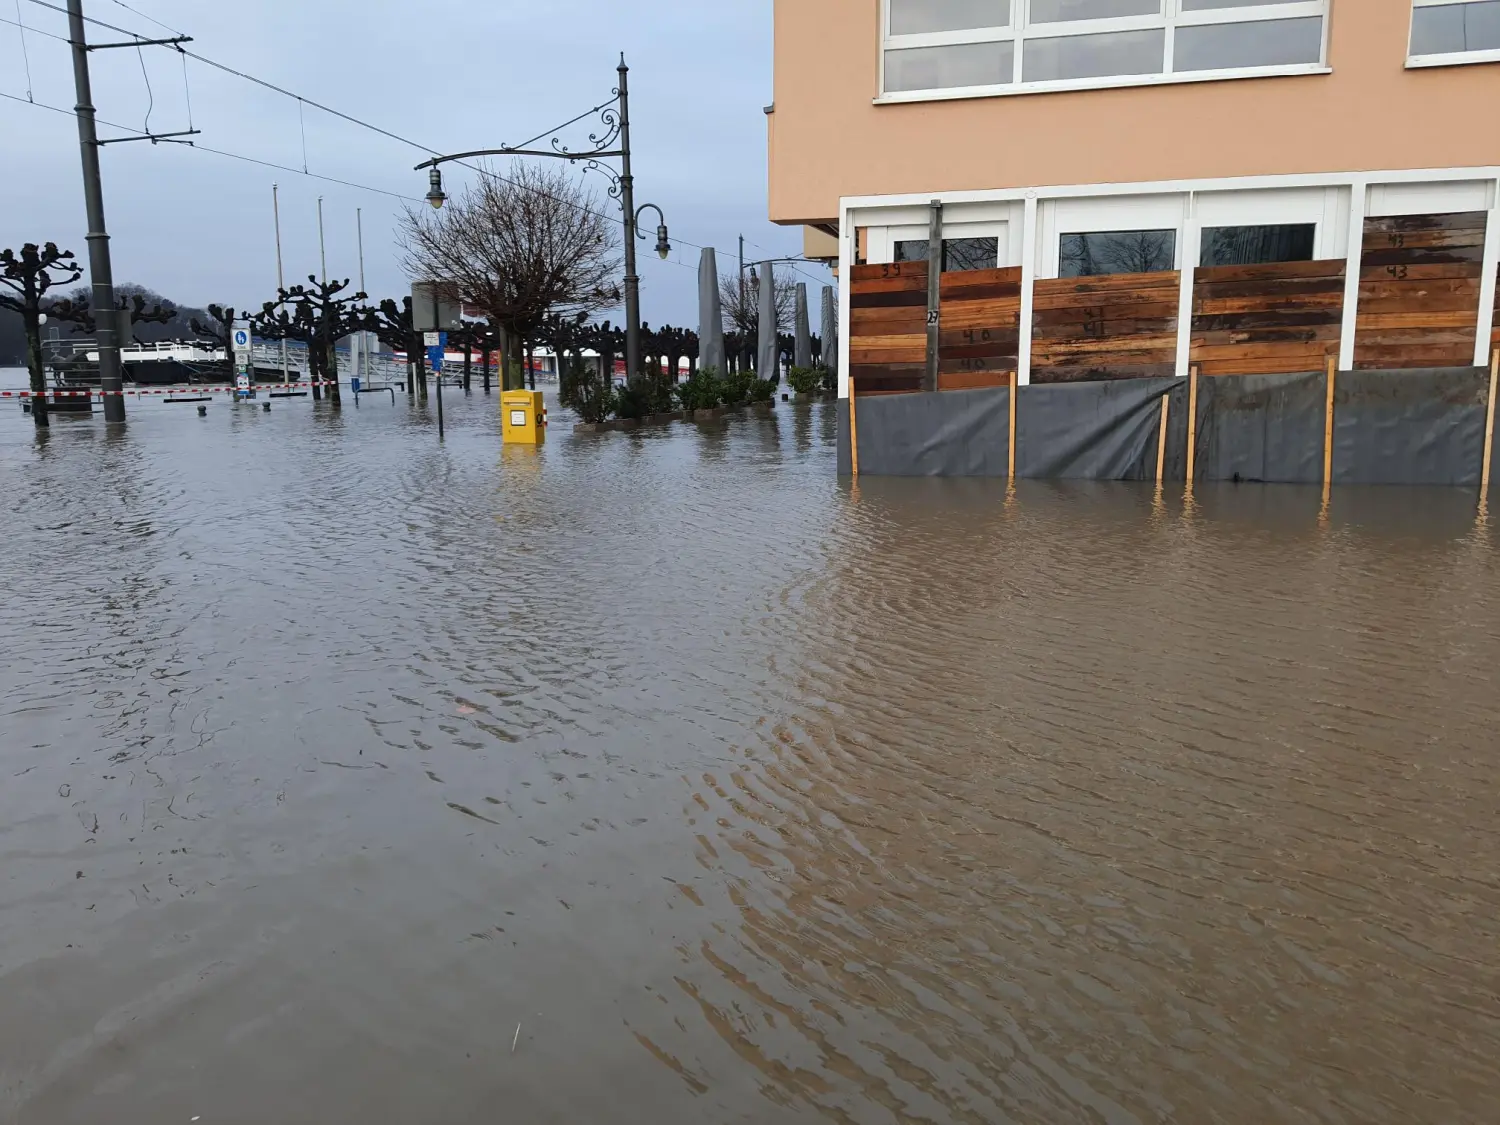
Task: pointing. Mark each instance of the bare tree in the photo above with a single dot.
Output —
(29, 276)
(319, 314)
(518, 247)
(740, 301)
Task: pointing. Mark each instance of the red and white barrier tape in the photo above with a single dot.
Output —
(161, 391)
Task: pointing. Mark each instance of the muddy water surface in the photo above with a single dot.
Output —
(347, 777)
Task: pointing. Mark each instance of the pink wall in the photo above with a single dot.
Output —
(828, 140)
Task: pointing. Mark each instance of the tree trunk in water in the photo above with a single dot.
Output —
(332, 362)
(468, 367)
(485, 355)
(530, 366)
(38, 373)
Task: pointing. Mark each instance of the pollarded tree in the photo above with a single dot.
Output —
(26, 278)
(220, 329)
(319, 314)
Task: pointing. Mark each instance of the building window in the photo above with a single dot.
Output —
(959, 254)
(1450, 31)
(974, 47)
(1260, 245)
(1118, 251)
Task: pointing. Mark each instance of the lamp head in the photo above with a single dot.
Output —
(435, 195)
(663, 244)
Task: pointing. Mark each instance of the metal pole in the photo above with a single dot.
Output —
(359, 221)
(286, 371)
(323, 252)
(101, 273)
(627, 201)
(436, 315)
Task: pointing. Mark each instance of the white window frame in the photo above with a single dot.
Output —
(883, 239)
(1093, 216)
(1452, 58)
(1172, 16)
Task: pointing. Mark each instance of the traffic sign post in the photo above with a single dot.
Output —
(437, 344)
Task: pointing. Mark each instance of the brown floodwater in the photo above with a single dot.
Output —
(350, 777)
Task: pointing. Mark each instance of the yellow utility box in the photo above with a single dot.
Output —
(523, 418)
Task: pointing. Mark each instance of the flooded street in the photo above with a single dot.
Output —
(350, 777)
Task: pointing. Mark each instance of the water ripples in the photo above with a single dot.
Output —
(748, 795)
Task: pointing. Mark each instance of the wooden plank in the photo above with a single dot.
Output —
(972, 380)
(1452, 220)
(887, 322)
(976, 366)
(967, 317)
(1206, 353)
(1268, 320)
(890, 275)
(986, 350)
(1421, 272)
(968, 337)
(1427, 239)
(1425, 318)
(975, 291)
(956, 280)
(1218, 307)
(1093, 314)
(1110, 283)
(1274, 271)
(872, 372)
(1413, 355)
(1422, 257)
(1162, 342)
(1046, 302)
(1269, 292)
(1322, 333)
(887, 300)
(1097, 374)
(1409, 337)
(1286, 365)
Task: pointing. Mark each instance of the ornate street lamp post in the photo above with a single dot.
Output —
(616, 116)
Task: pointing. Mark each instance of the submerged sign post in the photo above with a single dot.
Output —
(242, 343)
(437, 344)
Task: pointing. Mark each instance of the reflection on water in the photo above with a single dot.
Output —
(335, 761)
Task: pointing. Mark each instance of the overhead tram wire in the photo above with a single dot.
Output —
(344, 117)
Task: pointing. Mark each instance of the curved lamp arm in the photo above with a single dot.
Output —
(663, 243)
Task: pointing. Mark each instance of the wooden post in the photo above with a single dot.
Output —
(1011, 471)
(853, 433)
(1333, 370)
(934, 293)
(1192, 449)
(1161, 441)
(1489, 430)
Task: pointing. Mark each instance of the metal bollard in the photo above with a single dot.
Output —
(266, 407)
(203, 412)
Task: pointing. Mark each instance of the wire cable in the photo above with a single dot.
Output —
(24, 53)
(144, 16)
(150, 94)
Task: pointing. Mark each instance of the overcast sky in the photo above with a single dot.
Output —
(449, 74)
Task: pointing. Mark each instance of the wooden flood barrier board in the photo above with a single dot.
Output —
(1116, 327)
(1267, 319)
(980, 334)
(1419, 287)
(888, 327)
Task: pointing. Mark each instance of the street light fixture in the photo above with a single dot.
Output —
(435, 196)
(616, 117)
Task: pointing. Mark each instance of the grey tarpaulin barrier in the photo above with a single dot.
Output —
(1098, 431)
(1410, 427)
(944, 434)
(1262, 427)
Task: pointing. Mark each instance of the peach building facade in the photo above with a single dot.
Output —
(1341, 150)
